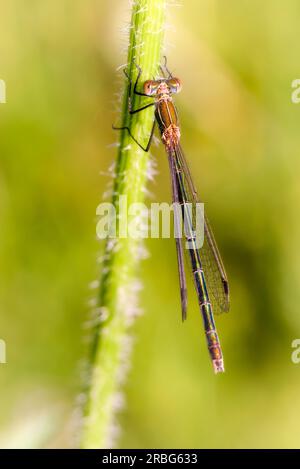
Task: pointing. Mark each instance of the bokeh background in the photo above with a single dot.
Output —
(237, 60)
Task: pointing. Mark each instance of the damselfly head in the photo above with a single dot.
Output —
(162, 86)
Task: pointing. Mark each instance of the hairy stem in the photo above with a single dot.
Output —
(119, 288)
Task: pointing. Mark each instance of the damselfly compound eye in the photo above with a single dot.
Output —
(174, 85)
(150, 87)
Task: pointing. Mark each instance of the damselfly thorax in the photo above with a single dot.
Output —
(165, 110)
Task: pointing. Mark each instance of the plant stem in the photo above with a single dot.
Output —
(119, 289)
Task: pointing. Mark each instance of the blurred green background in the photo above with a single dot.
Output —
(237, 60)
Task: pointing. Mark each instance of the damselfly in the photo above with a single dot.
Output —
(209, 275)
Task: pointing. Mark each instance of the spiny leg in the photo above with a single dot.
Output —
(135, 111)
(136, 83)
(146, 148)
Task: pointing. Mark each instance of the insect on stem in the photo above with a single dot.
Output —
(208, 271)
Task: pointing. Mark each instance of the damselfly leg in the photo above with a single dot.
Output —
(135, 111)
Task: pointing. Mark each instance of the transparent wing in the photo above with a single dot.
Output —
(214, 271)
(179, 248)
(216, 278)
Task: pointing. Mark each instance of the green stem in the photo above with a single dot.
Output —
(118, 290)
